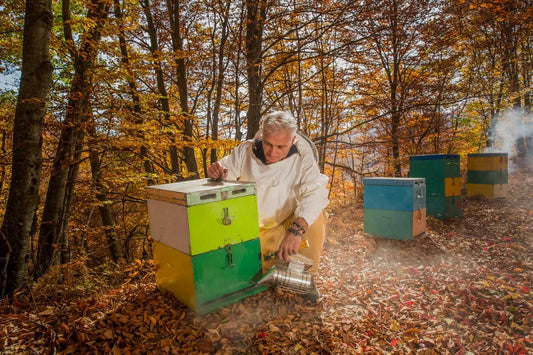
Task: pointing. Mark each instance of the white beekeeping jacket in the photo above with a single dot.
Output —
(293, 184)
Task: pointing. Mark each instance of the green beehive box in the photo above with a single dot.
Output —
(208, 281)
(435, 165)
(443, 182)
(206, 248)
(487, 175)
(442, 206)
(394, 224)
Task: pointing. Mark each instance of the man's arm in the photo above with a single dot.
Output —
(293, 239)
(229, 167)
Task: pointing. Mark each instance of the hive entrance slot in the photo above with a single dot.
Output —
(208, 196)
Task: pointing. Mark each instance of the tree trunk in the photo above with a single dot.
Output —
(23, 196)
(101, 195)
(72, 175)
(527, 73)
(256, 16)
(220, 79)
(163, 93)
(237, 121)
(527, 69)
(53, 234)
(511, 66)
(181, 73)
(394, 86)
(125, 59)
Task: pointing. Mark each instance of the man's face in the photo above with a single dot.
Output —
(276, 145)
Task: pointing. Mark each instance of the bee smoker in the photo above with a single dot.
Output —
(292, 276)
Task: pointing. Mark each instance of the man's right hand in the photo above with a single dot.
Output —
(216, 171)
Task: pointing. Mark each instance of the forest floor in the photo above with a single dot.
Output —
(465, 287)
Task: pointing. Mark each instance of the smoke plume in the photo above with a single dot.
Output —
(512, 133)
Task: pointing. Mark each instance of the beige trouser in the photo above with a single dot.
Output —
(271, 238)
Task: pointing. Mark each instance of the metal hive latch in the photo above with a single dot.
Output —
(229, 255)
(226, 220)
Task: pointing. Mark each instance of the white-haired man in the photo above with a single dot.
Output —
(291, 191)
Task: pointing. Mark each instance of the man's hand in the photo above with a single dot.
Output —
(289, 246)
(216, 171)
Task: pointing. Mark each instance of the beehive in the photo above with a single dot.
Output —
(443, 182)
(206, 248)
(487, 175)
(394, 207)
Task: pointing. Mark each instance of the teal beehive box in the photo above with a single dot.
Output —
(394, 207)
(443, 182)
(206, 247)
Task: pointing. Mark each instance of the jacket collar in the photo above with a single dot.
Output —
(260, 154)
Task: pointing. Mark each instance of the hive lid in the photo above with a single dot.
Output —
(434, 156)
(200, 191)
(393, 181)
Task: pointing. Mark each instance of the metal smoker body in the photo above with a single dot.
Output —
(292, 276)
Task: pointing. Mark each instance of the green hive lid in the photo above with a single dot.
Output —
(434, 156)
(392, 181)
(479, 155)
(200, 191)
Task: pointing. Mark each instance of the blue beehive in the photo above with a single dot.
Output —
(394, 207)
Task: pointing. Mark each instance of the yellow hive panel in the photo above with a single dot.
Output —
(452, 186)
(173, 273)
(487, 163)
(500, 190)
(487, 191)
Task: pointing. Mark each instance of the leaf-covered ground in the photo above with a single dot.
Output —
(465, 287)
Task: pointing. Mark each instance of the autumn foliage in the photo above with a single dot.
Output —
(463, 287)
(147, 92)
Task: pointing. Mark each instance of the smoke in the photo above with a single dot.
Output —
(512, 133)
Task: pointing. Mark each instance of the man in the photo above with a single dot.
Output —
(291, 191)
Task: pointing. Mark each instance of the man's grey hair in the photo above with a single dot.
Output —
(277, 121)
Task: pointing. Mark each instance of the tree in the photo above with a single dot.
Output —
(53, 236)
(23, 197)
(135, 106)
(496, 41)
(101, 193)
(256, 12)
(145, 98)
(220, 10)
(181, 76)
(397, 67)
(164, 101)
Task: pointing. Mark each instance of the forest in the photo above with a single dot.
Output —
(101, 98)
